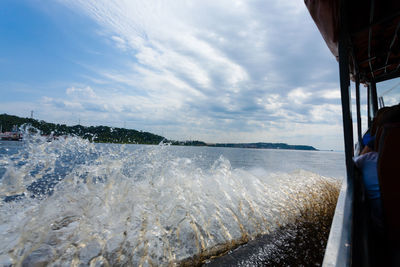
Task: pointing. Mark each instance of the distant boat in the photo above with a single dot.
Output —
(14, 135)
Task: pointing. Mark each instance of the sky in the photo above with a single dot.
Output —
(216, 71)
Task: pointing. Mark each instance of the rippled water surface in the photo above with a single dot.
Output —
(73, 202)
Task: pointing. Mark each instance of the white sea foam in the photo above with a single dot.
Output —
(116, 205)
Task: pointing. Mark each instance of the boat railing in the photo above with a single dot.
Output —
(339, 246)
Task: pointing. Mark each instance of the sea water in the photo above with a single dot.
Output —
(71, 202)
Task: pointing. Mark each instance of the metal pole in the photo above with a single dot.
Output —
(346, 108)
(346, 247)
(374, 98)
(359, 130)
(381, 102)
(369, 106)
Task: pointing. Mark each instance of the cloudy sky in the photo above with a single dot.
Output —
(217, 71)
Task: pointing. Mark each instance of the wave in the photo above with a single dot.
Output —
(81, 203)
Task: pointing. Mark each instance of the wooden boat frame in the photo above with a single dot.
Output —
(364, 37)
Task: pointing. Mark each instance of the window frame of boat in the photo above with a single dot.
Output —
(346, 244)
(339, 246)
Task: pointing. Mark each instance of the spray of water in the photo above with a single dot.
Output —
(80, 203)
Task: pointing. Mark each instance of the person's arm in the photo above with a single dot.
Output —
(366, 149)
(369, 147)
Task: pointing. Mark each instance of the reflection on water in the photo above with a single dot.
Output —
(70, 202)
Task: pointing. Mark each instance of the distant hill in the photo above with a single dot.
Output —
(105, 134)
(266, 145)
(100, 134)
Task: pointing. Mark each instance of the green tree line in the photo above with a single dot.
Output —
(101, 134)
(105, 134)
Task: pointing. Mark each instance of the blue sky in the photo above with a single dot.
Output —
(217, 71)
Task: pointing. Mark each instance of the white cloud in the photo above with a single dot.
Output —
(196, 67)
(85, 92)
(331, 94)
(298, 95)
(326, 112)
(119, 42)
(271, 102)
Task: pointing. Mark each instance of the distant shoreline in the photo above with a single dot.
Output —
(262, 145)
(113, 135)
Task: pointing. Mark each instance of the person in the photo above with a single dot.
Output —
(367, 161)
(369, 137)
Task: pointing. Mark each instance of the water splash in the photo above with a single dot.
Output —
(112, 204)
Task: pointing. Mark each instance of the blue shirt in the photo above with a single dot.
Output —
(366, 138)
(368, 164)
